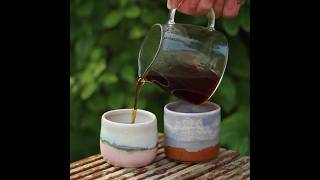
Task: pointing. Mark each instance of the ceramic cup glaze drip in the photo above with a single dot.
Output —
(128, 145)
(192, 131)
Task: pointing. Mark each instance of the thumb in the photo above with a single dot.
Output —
(171, 4)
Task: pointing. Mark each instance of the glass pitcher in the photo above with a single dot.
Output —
(186, 60)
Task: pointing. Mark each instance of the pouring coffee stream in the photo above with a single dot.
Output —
(139, 85)
(185, 60)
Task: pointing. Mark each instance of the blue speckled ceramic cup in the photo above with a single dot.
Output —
(192, 131)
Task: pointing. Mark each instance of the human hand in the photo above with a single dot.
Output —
(225, 8)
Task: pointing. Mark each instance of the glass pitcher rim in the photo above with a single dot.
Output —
(156, 53)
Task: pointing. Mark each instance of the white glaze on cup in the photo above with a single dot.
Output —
(128, 145)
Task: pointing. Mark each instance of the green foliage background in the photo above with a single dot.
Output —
(105, 36)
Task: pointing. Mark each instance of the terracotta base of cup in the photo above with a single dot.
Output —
(127, 158)
(180, 154)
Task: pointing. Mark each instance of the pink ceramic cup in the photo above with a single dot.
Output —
(128, 145)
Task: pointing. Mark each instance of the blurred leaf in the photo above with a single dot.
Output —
(243, 87)
(97, 103)
(132, 12)
(108, 79)
(225, 95)
(231, 25)
(88, 90)
(72, 81)
(83, 143)
(136, 32)
(128, 74)
(123, 3)
(75, 112)
(113, 19)
(238, 62)
(74, 89)
(86, 77)
(151, 88)
(85, 9)
(82, 48)
(201, 21)
(235, 130)
(142, 103)
(245, 18)
(172, 98)
(161, 16)
(96, 54)
(74, 33)
(116, 100)
(91, 121)
(92, 70)
(147, 16)
(99, 68)
(113, 39)
(130, 101)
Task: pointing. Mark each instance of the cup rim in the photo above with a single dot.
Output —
(217, 110)
(118, 111)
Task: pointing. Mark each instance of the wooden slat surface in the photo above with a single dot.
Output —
(227, 165)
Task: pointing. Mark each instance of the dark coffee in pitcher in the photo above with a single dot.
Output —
(192, 83)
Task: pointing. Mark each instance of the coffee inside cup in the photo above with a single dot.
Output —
(185, 107)
(124, 117)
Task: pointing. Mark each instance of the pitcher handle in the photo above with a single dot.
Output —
(211, 18)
